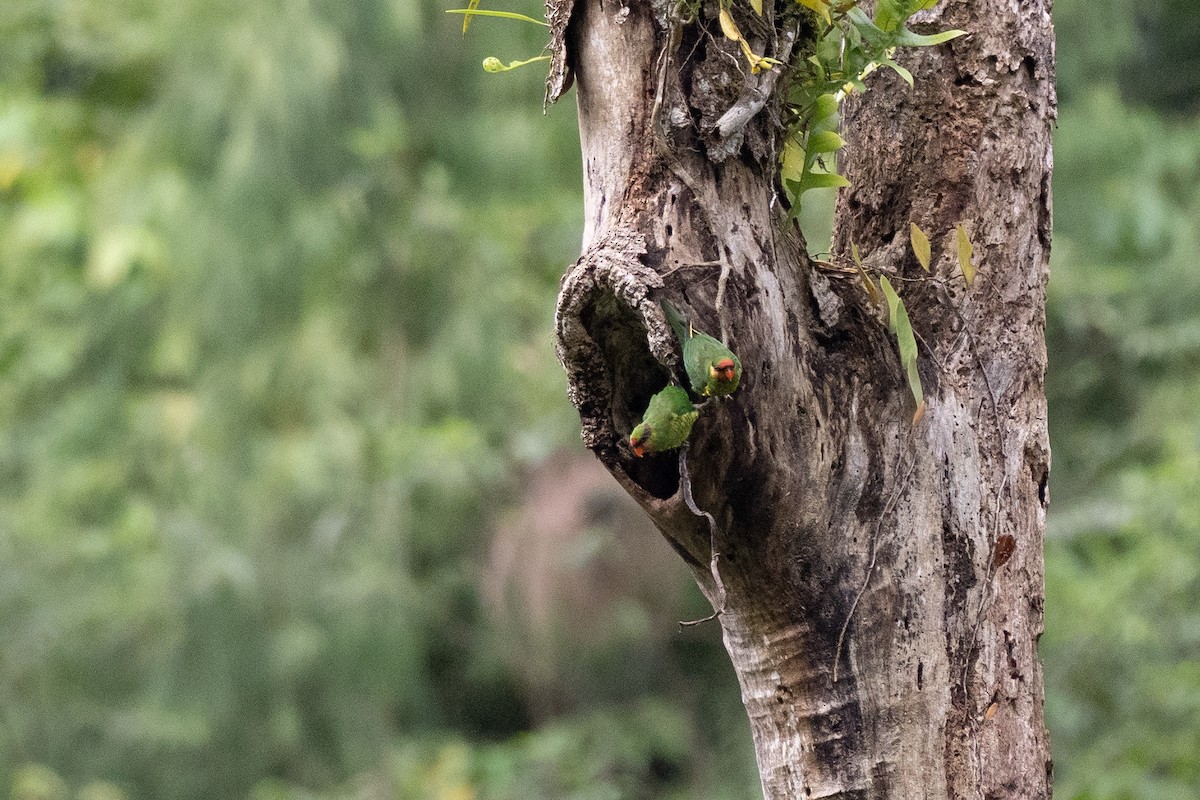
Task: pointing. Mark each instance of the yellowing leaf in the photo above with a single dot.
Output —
(899, 324)
(819, 6)
(757, 63)
(965, 250)
(757, 6)
(761, 63)
(920, 245)
(471, 6)
(729, 27)
(868, 284)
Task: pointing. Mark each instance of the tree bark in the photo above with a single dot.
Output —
(878, 581)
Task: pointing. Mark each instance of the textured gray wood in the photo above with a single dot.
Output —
(852, 543)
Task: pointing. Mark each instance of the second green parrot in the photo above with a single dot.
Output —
(712, 368)
(666, 424)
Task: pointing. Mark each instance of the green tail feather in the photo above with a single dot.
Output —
(677, 322)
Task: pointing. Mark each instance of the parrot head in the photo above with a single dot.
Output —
(724, 374)
(723, 371)
(639, 440)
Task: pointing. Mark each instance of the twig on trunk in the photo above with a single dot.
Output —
(685, 485)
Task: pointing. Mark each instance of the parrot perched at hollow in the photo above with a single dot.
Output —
(666, 424)
(712, 368)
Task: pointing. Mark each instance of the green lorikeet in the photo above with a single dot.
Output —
(666, 423)
(712, 368)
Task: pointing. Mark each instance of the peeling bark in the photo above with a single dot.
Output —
(883, 645)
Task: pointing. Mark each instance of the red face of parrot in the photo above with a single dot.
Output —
(639, 442)
(723, 370)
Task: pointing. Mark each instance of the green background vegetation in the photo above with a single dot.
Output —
(276, 364)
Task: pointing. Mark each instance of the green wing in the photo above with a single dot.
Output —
(667, 422)
(713, 369)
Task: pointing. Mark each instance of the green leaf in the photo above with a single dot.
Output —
(792, 168)
(825, 142)
(893, 302)
(824, 110)
(475, 12)
(899, 324)
(965, 250)
(822, 180)
(829, 48)
(904, 74)
(906, 38)
(867, 29)
(920, 245)
(890, 14)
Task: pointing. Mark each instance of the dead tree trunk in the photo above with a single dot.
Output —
(880, 581)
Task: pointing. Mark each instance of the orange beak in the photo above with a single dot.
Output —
(639, 450)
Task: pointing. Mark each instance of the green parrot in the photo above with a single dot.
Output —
(712, 368)
(666, 423)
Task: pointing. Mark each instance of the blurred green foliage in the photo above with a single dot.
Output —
(276, 286)
(1122, 642)
(276, 295)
